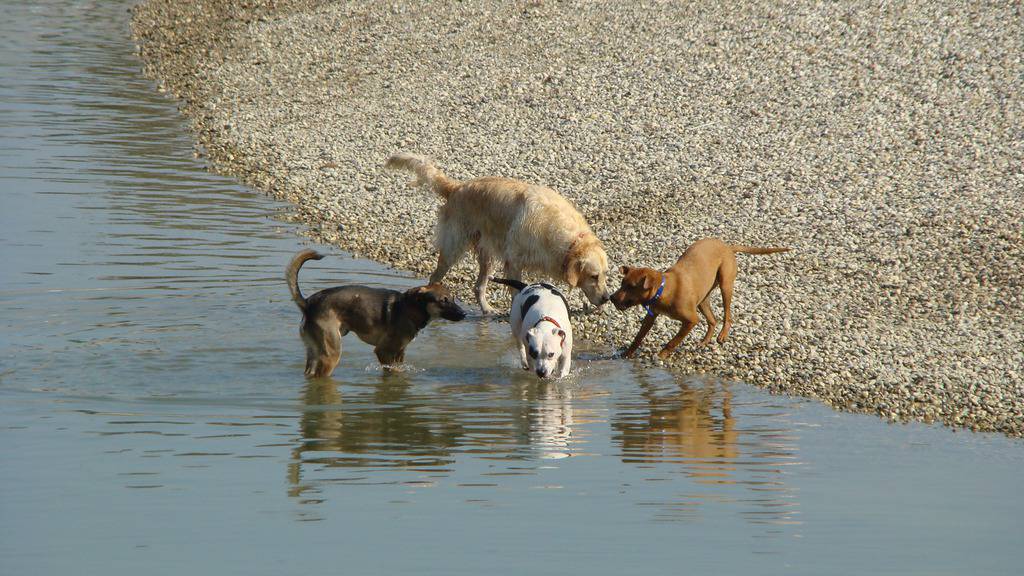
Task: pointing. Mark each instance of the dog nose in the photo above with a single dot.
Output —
(542, 373)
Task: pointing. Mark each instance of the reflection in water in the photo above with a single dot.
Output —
(553, 420)
(380, 432)
(395, 430)
(391, 426)
(691, 423)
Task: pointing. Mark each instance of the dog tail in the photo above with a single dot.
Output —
(425, 171)
(513, 283)
(291, 274)
(755, 249)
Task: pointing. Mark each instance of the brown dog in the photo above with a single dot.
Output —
(683, 290)
(385, 319)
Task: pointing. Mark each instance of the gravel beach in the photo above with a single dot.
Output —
(884, 144)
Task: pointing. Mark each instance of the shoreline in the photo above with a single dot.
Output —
(886, 152)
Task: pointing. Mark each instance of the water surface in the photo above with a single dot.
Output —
(154, 417)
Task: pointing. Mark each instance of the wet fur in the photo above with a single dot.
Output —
(386, 319)
(533, 308)
(529, 228)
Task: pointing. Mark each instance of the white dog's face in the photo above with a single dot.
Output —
(544, 349)
(593, 277)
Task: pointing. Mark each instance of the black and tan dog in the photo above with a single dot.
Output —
(386, 319)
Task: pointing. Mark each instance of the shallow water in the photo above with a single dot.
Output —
(154, 417)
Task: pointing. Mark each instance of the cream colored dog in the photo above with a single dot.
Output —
(530, 228)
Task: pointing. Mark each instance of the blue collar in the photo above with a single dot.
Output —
(657, 295)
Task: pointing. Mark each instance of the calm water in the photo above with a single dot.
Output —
(154, 418)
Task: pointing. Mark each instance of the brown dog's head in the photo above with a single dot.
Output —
(638, 286)
(437, 302)
(587, 269)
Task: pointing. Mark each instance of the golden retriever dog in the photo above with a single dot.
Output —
(530, 228)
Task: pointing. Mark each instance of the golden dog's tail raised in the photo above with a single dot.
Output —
(291, 274)
(425, 171)
(755, 249)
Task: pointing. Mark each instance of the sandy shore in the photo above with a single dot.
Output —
(885, 145)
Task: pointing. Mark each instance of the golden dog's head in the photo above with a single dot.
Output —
(587, 269)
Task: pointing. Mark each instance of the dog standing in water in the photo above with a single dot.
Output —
(526, 226)
(388, 320)
(541, 327)
(683, 290)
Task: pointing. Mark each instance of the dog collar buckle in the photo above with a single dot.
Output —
(654, 300)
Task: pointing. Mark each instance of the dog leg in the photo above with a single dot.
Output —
(444, 264)
(311, 360)
(644, 329)
(524, 361)
(688, 325)
(389, 357)
(726, 286)
(451, 247)
(330, 354)
(310, 334)
(564, 365)
(709, 316)
(486, 267)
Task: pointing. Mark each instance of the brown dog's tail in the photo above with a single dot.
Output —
(425, 171)
(755, 249)
(291, 274)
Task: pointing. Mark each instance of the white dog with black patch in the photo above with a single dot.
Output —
(540, 325)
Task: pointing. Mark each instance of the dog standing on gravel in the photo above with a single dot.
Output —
(683, 290)
(541, 327)
(388, 320)
(528, 227)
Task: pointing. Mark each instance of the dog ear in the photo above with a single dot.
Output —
(647, 282)
(418, 293)
(572, 272)
(624, 270)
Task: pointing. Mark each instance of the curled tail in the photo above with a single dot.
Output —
(755, 249)
(426, 173)
(291, 274)
(513, 283)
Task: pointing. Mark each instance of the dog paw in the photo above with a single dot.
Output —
(664, 354)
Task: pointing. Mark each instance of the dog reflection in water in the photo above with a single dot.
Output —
(695, 424)
(348, 433)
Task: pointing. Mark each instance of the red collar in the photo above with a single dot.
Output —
(553, 321)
